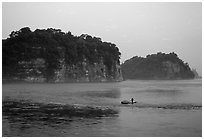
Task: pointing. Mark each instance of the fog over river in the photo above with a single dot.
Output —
(163, 108)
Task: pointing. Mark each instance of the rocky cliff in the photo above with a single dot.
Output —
(80, 72)
(86, 72)
(54, 56)
(156, 66)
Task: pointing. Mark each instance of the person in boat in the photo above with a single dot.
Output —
(128, 102)
(132, 100)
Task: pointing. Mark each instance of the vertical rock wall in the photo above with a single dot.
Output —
(171, 69)
(86, 72)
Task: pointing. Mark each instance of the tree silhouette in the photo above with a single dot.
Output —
(53, 45)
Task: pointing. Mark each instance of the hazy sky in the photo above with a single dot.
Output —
(136, 28)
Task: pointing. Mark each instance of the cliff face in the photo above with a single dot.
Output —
(54, 56)
(156, 66)
(80, 72)
(86, 72)
(171, 69)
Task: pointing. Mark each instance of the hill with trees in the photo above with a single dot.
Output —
(50, 55)
(156, 66)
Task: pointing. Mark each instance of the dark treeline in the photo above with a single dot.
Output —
(156, 66)
(52, 45)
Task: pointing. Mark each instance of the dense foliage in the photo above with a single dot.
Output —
(156, 66)
(52, 45)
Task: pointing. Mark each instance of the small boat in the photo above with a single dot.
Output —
(127, 102)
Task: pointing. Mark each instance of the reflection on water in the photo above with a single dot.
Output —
(161, 91)
(181, 106)
(164, 92)
(102, 94)
(51, 113)
(163, 108)
(151, 122)
(24, 115)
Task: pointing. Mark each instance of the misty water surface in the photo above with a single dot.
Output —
(163, 108)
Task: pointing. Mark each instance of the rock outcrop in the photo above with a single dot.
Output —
(54, 56)
(86, 72)
(196, 75)
(156, 66)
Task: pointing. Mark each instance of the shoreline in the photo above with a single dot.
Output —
(8, 81)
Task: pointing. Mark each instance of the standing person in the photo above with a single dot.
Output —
(132, 100)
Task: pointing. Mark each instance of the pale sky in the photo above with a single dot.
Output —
(136, 28)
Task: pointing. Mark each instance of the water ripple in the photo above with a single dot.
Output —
(182, 106)
(21, 111)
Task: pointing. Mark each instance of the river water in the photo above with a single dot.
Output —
(163, 108)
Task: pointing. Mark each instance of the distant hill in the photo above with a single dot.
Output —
(196, 73)
(156, 66)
